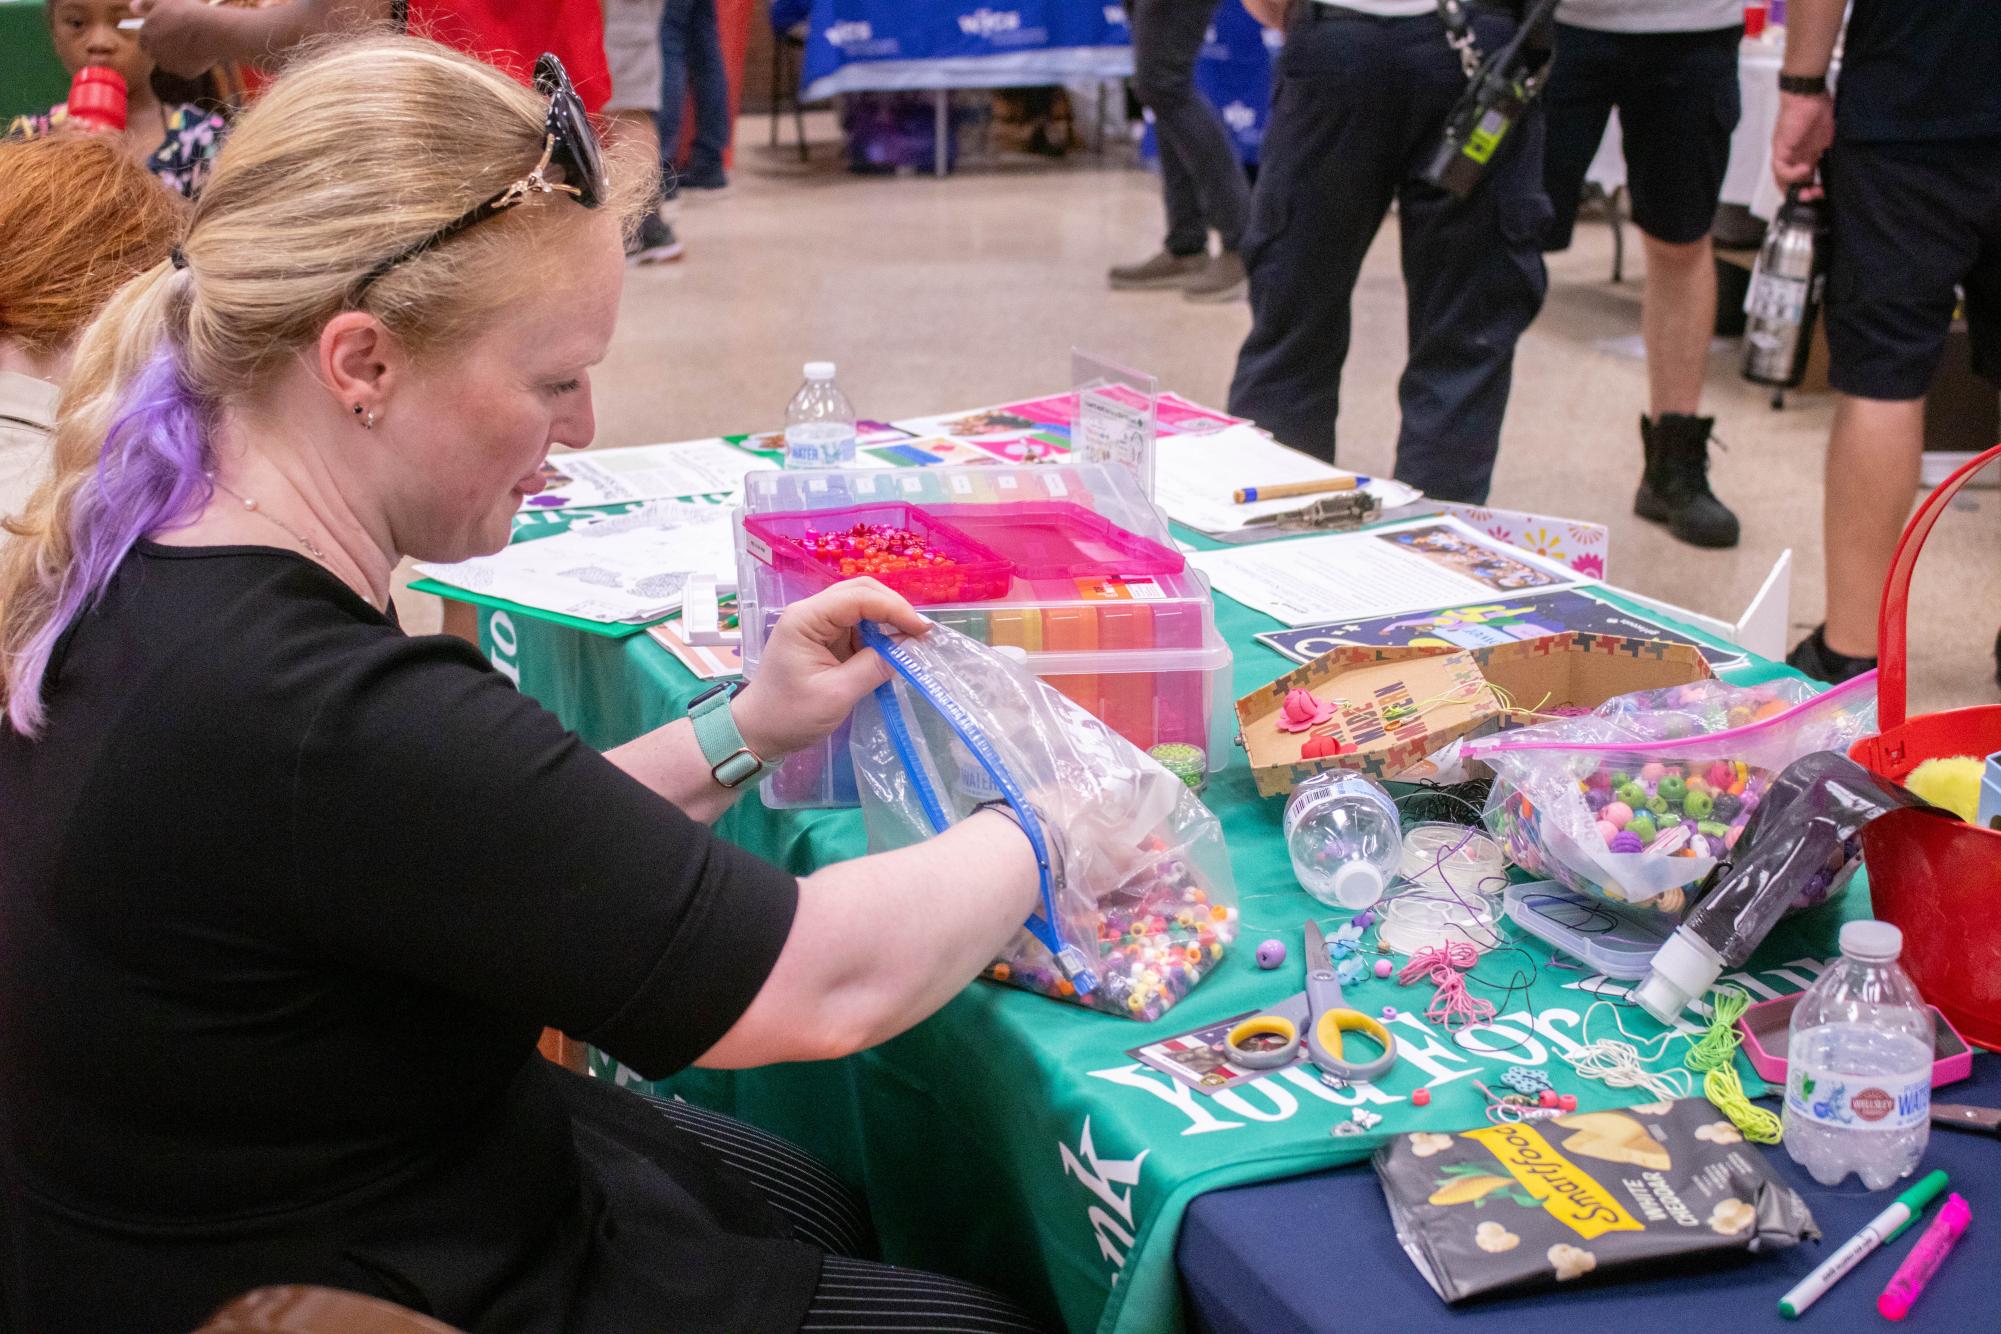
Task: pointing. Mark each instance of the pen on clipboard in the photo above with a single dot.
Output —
(1285, 490)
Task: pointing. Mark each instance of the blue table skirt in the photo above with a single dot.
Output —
(927, 45)
(1318, 1253)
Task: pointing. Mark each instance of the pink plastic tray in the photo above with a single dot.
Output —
(778, 540)
(1057, 540)
(1766, 1024)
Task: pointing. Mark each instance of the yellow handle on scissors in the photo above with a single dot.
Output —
(1327, 1036)
(1263, 1025)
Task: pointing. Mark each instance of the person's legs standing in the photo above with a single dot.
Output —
(633, 54)
(1331, 161)
(1910, 223)
(1874, 455)
(1167, 39)
(676, 18)
(1205, 163)
(1677, 320)
(708, 79)
(1678, 103)
(1473, 275)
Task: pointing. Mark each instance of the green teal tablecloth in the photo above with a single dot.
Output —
(31, 78)
(1009, 1139)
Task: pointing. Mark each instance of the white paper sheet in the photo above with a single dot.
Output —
(1409, 566)
(646, 472)
(1195, 477)
(626, 569)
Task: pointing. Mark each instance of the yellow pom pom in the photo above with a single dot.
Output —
(1953, 784)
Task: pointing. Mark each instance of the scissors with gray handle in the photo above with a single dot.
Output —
(1318, 1016)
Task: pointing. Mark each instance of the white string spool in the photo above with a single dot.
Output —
(1453, 859)
(1417, 919)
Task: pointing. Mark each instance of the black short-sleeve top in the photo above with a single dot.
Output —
(286, 896)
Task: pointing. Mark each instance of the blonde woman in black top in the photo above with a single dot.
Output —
(286, 895)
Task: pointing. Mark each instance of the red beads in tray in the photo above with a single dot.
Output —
(894, 542)
(873, 549)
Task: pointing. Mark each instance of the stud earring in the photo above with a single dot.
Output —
(368, 420)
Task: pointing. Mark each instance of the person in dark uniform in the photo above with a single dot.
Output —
(1363, 92)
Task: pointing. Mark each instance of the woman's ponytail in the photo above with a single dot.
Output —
(130, 455)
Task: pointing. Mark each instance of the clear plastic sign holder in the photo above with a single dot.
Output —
(1115, 415)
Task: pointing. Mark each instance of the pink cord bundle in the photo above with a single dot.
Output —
(1445, 966)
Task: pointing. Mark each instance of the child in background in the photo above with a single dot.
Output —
(62, 265)
(174, 138)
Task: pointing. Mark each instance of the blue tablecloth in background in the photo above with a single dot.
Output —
(903, 45)
(898, 45)
(1318, 1253)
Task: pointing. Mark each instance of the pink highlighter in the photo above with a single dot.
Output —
(1925, 1258)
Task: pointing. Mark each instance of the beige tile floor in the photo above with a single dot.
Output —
(933, 295)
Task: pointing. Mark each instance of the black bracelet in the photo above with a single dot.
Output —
(1001, 804)
(1804, 85)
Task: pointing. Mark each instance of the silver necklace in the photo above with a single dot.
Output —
(253, 507)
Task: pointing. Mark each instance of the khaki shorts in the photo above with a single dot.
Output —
(632, 49)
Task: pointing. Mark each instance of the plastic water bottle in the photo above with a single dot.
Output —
(1344, 838)
(1859, 1065)
(820, 423)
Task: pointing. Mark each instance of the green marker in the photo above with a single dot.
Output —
(1883, 1227)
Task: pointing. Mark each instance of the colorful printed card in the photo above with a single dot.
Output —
(1480, 624)
(1584, 547)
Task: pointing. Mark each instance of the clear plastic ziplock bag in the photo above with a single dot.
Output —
(1137, 900)
(1637, 801)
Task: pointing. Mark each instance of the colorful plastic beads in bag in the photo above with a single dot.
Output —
(1638, 801)
(1138, 903)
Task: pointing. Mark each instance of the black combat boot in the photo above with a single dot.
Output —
(1674, 489)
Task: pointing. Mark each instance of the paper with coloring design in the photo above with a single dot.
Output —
(630, 568)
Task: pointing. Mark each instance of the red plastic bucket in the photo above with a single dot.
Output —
(1936, 878)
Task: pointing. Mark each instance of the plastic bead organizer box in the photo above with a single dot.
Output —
(1069, 563)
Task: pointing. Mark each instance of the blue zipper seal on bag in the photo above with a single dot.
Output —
(1069, 959)
(906, 752)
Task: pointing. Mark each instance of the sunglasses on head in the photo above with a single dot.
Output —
(569, 144)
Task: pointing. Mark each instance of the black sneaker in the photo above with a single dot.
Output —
(1812, 657)
(1674, 489)
(654, 243)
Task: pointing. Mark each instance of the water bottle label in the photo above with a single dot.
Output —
(819, 444)
(1858, 1102)
(1775, 299)
(1345, 786)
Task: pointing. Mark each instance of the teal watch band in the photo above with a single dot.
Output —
(731, 762)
